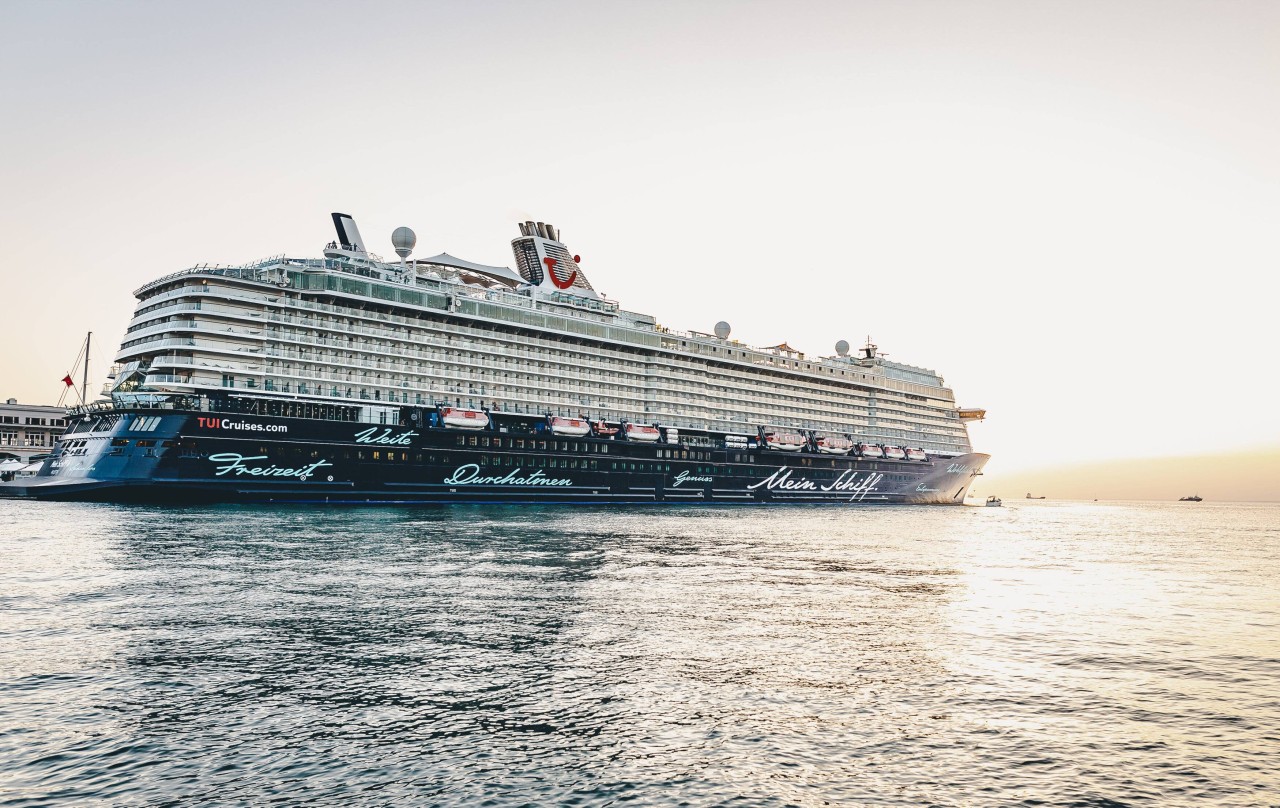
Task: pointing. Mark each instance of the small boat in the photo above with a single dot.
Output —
(570, 427)
(870, 450)
(1031, 497)
(640, 432)
(840, 446)
(994, 502)
(458, 418)
(894, 453)
(917, 454)
(604, 430)
(1192, 498)
(784, 441)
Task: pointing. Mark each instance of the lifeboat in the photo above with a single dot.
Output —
(604, 430)
(641, 432)
(838, 446)
(785, 441)
(916, 454)
(894, 453)
(458, 418)
(570, 427)
(870, 450)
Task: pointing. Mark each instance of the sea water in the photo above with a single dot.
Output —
(1041, 653)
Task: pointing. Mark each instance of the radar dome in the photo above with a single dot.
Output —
(722, 330)
(404, 240)
(842, 348)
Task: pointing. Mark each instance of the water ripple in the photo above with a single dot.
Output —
(1046, 654)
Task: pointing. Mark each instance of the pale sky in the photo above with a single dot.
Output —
(1070, 210)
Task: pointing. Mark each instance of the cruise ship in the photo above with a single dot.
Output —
(350, 378)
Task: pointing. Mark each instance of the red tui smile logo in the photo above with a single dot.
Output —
(551, 263)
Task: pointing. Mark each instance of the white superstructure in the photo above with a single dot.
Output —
(352, 328)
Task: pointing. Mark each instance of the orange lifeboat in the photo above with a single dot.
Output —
(916, 454)
(839, 446)
(604, 430)
(641, 432)
(458, 418)
(784, 441)
(894, 453)
(870, 450)
(570, 427)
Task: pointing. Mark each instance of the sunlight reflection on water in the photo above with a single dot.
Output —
(1091, 654)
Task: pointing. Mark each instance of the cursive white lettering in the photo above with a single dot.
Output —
(470, 475)
(231, 462)
(686, 477)
(384, 438)
(848, 482)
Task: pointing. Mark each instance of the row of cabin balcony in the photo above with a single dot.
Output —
(345, 328)
(522, 372)
(770, 395)
(191, 325)
(764, 358)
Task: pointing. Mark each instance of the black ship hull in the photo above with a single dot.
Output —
(171, 456)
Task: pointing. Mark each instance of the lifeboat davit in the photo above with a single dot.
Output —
(641, 432)
(570, 427)
(916, 454)
(785, 441)
(894, 453)
(838, 446)
(604, 430)
(458, 418)
(870, 450)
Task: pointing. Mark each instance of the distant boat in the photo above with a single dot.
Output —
(1031, 497)
(994, 502)
(1192, 498)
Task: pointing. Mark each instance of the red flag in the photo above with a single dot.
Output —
(67, 380)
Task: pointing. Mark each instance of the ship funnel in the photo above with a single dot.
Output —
(348, 234)
(544, 261)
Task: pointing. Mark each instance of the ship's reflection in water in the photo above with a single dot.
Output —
(542, 656)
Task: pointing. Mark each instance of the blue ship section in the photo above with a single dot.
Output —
(160, 455)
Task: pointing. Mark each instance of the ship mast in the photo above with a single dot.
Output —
(84, 384)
